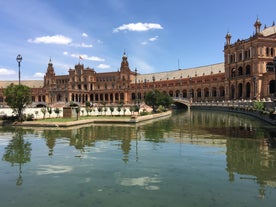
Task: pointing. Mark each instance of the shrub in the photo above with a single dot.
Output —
(258, 106)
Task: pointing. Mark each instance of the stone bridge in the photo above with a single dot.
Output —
(182, 102)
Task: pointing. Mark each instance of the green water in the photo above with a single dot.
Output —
(190, 159)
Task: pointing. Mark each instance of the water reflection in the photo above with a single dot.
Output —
(18, 151)
(249, 144)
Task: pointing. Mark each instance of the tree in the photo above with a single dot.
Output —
(57, 111)
(18, 97)
(156, 98)
(49, 110)
(18, 151)
(43, 110)
(111, 108)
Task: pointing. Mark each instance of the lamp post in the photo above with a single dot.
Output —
(153, 80)
(274, 63)
(135, 86)
(19, 59)
(190, 89)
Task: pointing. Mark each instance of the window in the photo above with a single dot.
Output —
(240, 71)
(247, 70)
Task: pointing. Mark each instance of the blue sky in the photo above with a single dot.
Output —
(157, 35)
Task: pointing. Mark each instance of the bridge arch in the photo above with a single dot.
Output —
(182, 103)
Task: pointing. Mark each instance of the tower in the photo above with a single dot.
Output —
(228, 38)
(124, 64)
(257, 26)
(49, 78)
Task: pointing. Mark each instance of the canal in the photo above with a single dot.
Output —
(193, 158)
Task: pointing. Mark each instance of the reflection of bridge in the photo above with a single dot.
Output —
(182, 101)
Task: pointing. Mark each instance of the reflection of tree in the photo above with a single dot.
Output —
(18, 151)
(155, 132)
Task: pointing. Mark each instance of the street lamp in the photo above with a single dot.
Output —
(153, 80)
(274, 63)
(19, 59)
(190, 89)
(135, 85)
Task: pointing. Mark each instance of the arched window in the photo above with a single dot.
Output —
(177, 93)
(272, 88)
(58, 97)
(198, 92)
(184, 93)
(221, 91)
(267, 51)
(206, 92)
(240, 90)
(248, 90)
(272, 52)
(233, 92)
(240, 71)
(247, 70)
(214, 92)
(233, 71)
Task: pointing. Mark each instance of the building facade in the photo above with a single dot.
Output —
(248, 72)
(249, 67)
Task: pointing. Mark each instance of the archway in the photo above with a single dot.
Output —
(248, 91)
(272, 88)
(232, 92)
(240, 90)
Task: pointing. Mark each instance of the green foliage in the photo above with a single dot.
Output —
(87, 109)
(57, 111)
(119, 109)
(258, 106)
(111, 108)
(77, 112)
(18, 97)
(49, 110)
(87, 104)
(161, 108)
(29, 117)
(156, 99)
(43, 110)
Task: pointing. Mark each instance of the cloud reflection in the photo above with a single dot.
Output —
(53, 169)
(146, 182)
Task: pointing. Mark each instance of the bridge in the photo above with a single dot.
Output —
(182, 102)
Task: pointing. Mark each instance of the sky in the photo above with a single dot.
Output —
(156, 35)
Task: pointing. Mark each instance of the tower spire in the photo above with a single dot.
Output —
(257, 26)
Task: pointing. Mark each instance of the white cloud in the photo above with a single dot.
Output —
(65, 53)
(139, 27)
(86, 57)
(153, 39)
(4, 71)
(84, 35)
(56, 39)
(81, 45)
(38, 75)
(103, 66)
